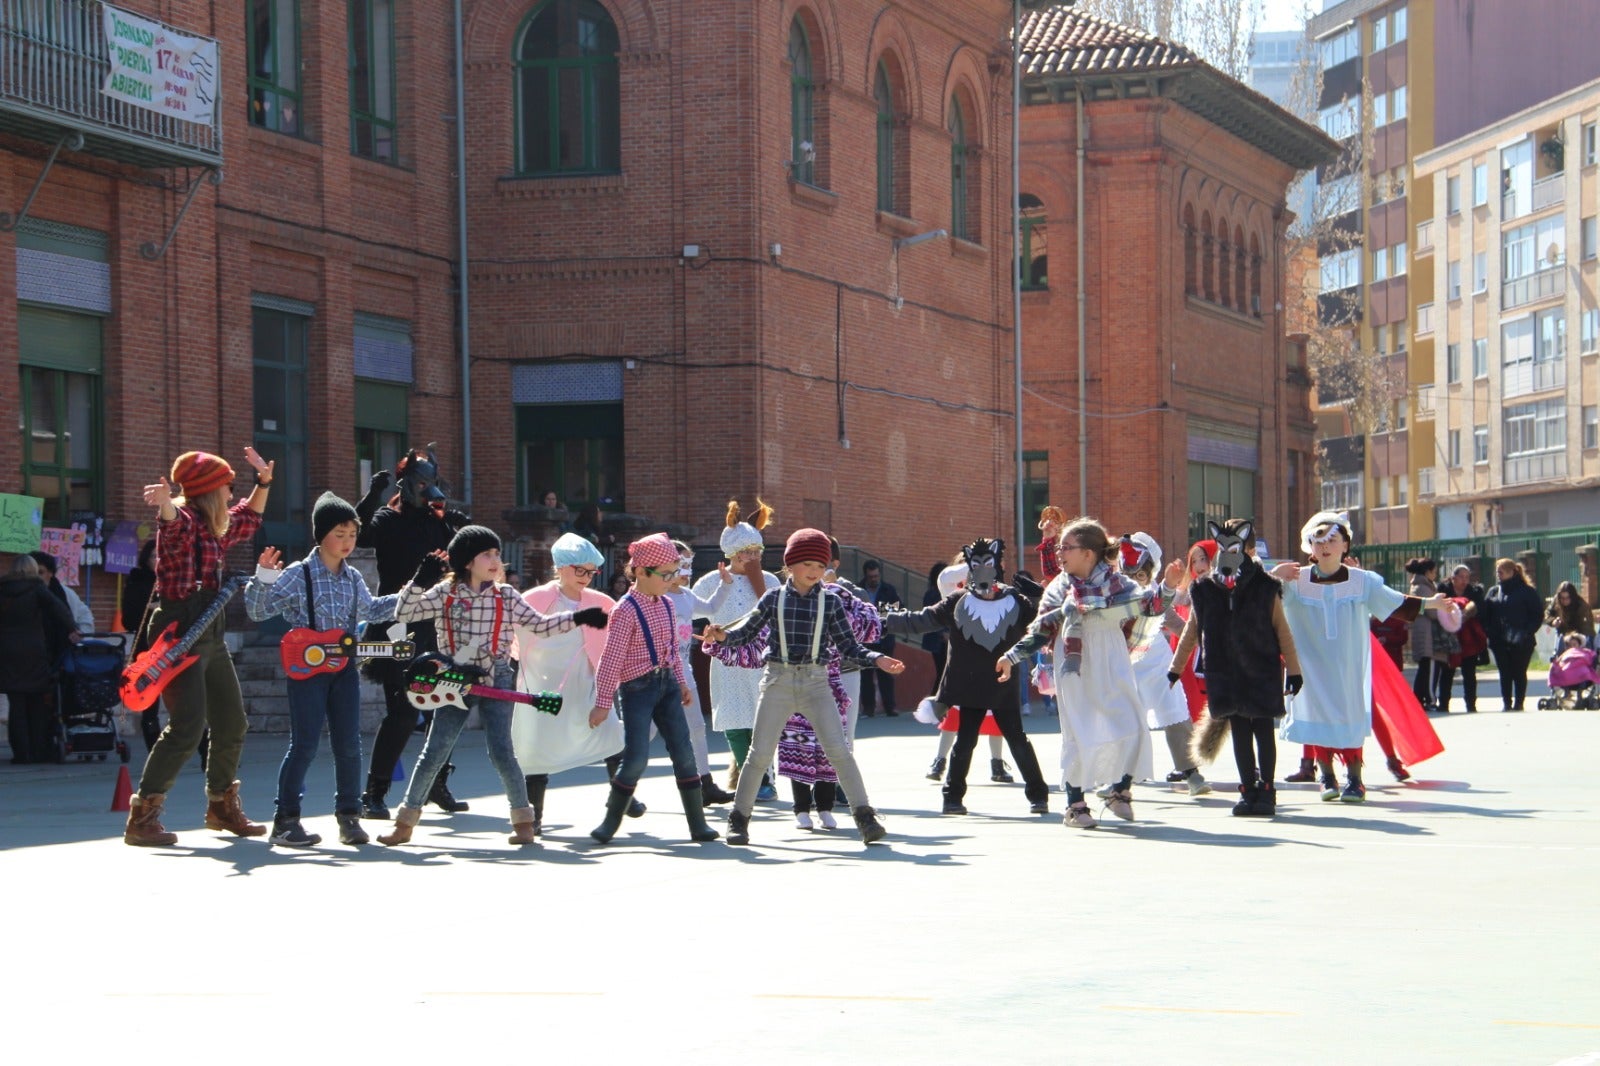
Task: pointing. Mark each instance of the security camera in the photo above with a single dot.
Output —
(808, 152)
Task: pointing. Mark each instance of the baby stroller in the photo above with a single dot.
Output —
(1572, 682)
(87, 698)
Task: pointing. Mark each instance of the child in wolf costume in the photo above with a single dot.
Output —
(1237, 619)
(980, 620)
(1329, 606)
(413, 523)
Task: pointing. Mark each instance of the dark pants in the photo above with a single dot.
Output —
(1469, 685)
(399, 722)
(1009, 720)
(1423, 685)
(1255, 750)
(31, 727)
(885, 684)
(336, 700)
(205, 696)
(654, 697)
(824, 793)
(1512, 659)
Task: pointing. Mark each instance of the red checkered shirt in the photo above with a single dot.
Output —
(465, 619)
(627, 656)
(189, 555)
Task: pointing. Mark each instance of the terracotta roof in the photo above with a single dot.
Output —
(1060, 40)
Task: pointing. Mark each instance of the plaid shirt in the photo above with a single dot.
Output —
(471, 620)
(343, 600)
(799, 618)
(187, 540)
(627, 656)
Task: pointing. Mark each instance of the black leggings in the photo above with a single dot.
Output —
(1469, 684)
(1512, 659)
(1255, 750)
(825, 793)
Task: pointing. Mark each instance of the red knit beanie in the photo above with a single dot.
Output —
(197, 473)
(808, 546)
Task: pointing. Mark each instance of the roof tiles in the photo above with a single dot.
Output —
(1063, 41)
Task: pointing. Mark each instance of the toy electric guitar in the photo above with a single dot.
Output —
(308, 652)
(433, 680)
(168, 655)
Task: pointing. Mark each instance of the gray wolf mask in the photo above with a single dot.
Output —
(985, 561)
(1231, 554)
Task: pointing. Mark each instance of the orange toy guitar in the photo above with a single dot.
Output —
(168, 655)
(308, 652)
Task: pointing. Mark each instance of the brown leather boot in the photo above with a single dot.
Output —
(223, 812)
(522, 826)
(144, 823)
(405, 820)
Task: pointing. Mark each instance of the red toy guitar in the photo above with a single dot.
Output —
(308, 652)
(435, 681)
(168, 655)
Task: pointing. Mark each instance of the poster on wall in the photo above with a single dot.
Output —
(122, 548)
(67, 546)
(21, 519)
(155, 67)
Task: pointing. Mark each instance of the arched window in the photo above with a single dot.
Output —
(1034, 251)
(1208, 259)
(1224, 265)
(959, 193)
(569, 99)
(883, 94)
(1240, 301)
(1191, 238)
(802, 106)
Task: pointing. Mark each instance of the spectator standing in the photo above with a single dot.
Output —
(876, 591)
(1427, 650)
(1513, 614)
(1568, 613)
(1473, 641)
(82, 617)
(34, 628)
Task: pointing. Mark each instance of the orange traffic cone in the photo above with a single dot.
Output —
(124, 790)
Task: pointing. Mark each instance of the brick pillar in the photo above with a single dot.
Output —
(1589, 573)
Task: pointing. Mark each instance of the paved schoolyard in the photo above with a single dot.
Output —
(1451, 920)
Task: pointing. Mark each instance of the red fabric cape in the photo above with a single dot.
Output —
(1396, 706)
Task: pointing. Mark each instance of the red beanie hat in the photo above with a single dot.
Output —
(808, 546)
(197, 473)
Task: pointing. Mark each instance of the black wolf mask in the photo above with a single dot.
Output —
(418, 481)
(985, 561)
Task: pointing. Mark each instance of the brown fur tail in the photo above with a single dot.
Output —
(1206, 742)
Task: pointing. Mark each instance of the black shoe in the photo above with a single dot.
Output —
(635, 809)
(1177, 775)
(867, 823)
(1266, 804)
(891, 713)
(936, 771)
(952, 807)
(288, 833)
(997, 773)
(1041, 807)
(372, 806)
(738, 828)
(350, 831)
(711, 793)
(440, 795)
(1247, 800)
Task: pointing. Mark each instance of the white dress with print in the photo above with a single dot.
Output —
(735, 690)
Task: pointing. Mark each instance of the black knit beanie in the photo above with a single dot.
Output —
(328, 512)
(466, 545)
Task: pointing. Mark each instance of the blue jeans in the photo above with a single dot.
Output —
(654, 697)
(446, 726)
(336, 699)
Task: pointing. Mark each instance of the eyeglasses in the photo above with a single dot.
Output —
(665, 573)
(1073, 547)
(585, 571)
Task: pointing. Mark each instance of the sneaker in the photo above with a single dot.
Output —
(951, 807)
(1041, 807)
(1078, 817)
(1197, 784)
(998, 774)
(1354, 792)
(1105, 791)
(1121, 804)
(936, 771)
(1330, 789)
(802, 819)
(766, 792)
(827, 820)
(288, 833)
(350, 831)
(891, 713)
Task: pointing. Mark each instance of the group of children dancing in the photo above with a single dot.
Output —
(1106, 622)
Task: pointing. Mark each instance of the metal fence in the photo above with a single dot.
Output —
(1551, 553)
(53, 61)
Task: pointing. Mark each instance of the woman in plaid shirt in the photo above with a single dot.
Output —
(475, 613)
(195, 528)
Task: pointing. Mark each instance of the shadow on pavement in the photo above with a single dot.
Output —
(1181, 835)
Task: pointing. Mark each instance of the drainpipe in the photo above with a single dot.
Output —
(1083, 303)
(1016, 256)
(461, 235)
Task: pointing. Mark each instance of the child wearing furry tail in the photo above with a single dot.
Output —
(1237, 619)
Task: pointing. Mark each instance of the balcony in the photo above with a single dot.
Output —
(1521, 378)
(1425, 403)
(1540, 285)
(1551, 190)
(1424, 482)
(53, 63)
(1424, 244)
(1543, 466)
(1424, 320)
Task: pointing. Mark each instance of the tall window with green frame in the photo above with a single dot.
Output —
(60, 411)
(1034, 256)
(1035, 491)
(883, 93)
(802, 107)
(272, 48)
(372, 80)
(958, 170)
(569, 91)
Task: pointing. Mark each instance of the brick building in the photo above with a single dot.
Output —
(1197, 403)
(682, 225)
